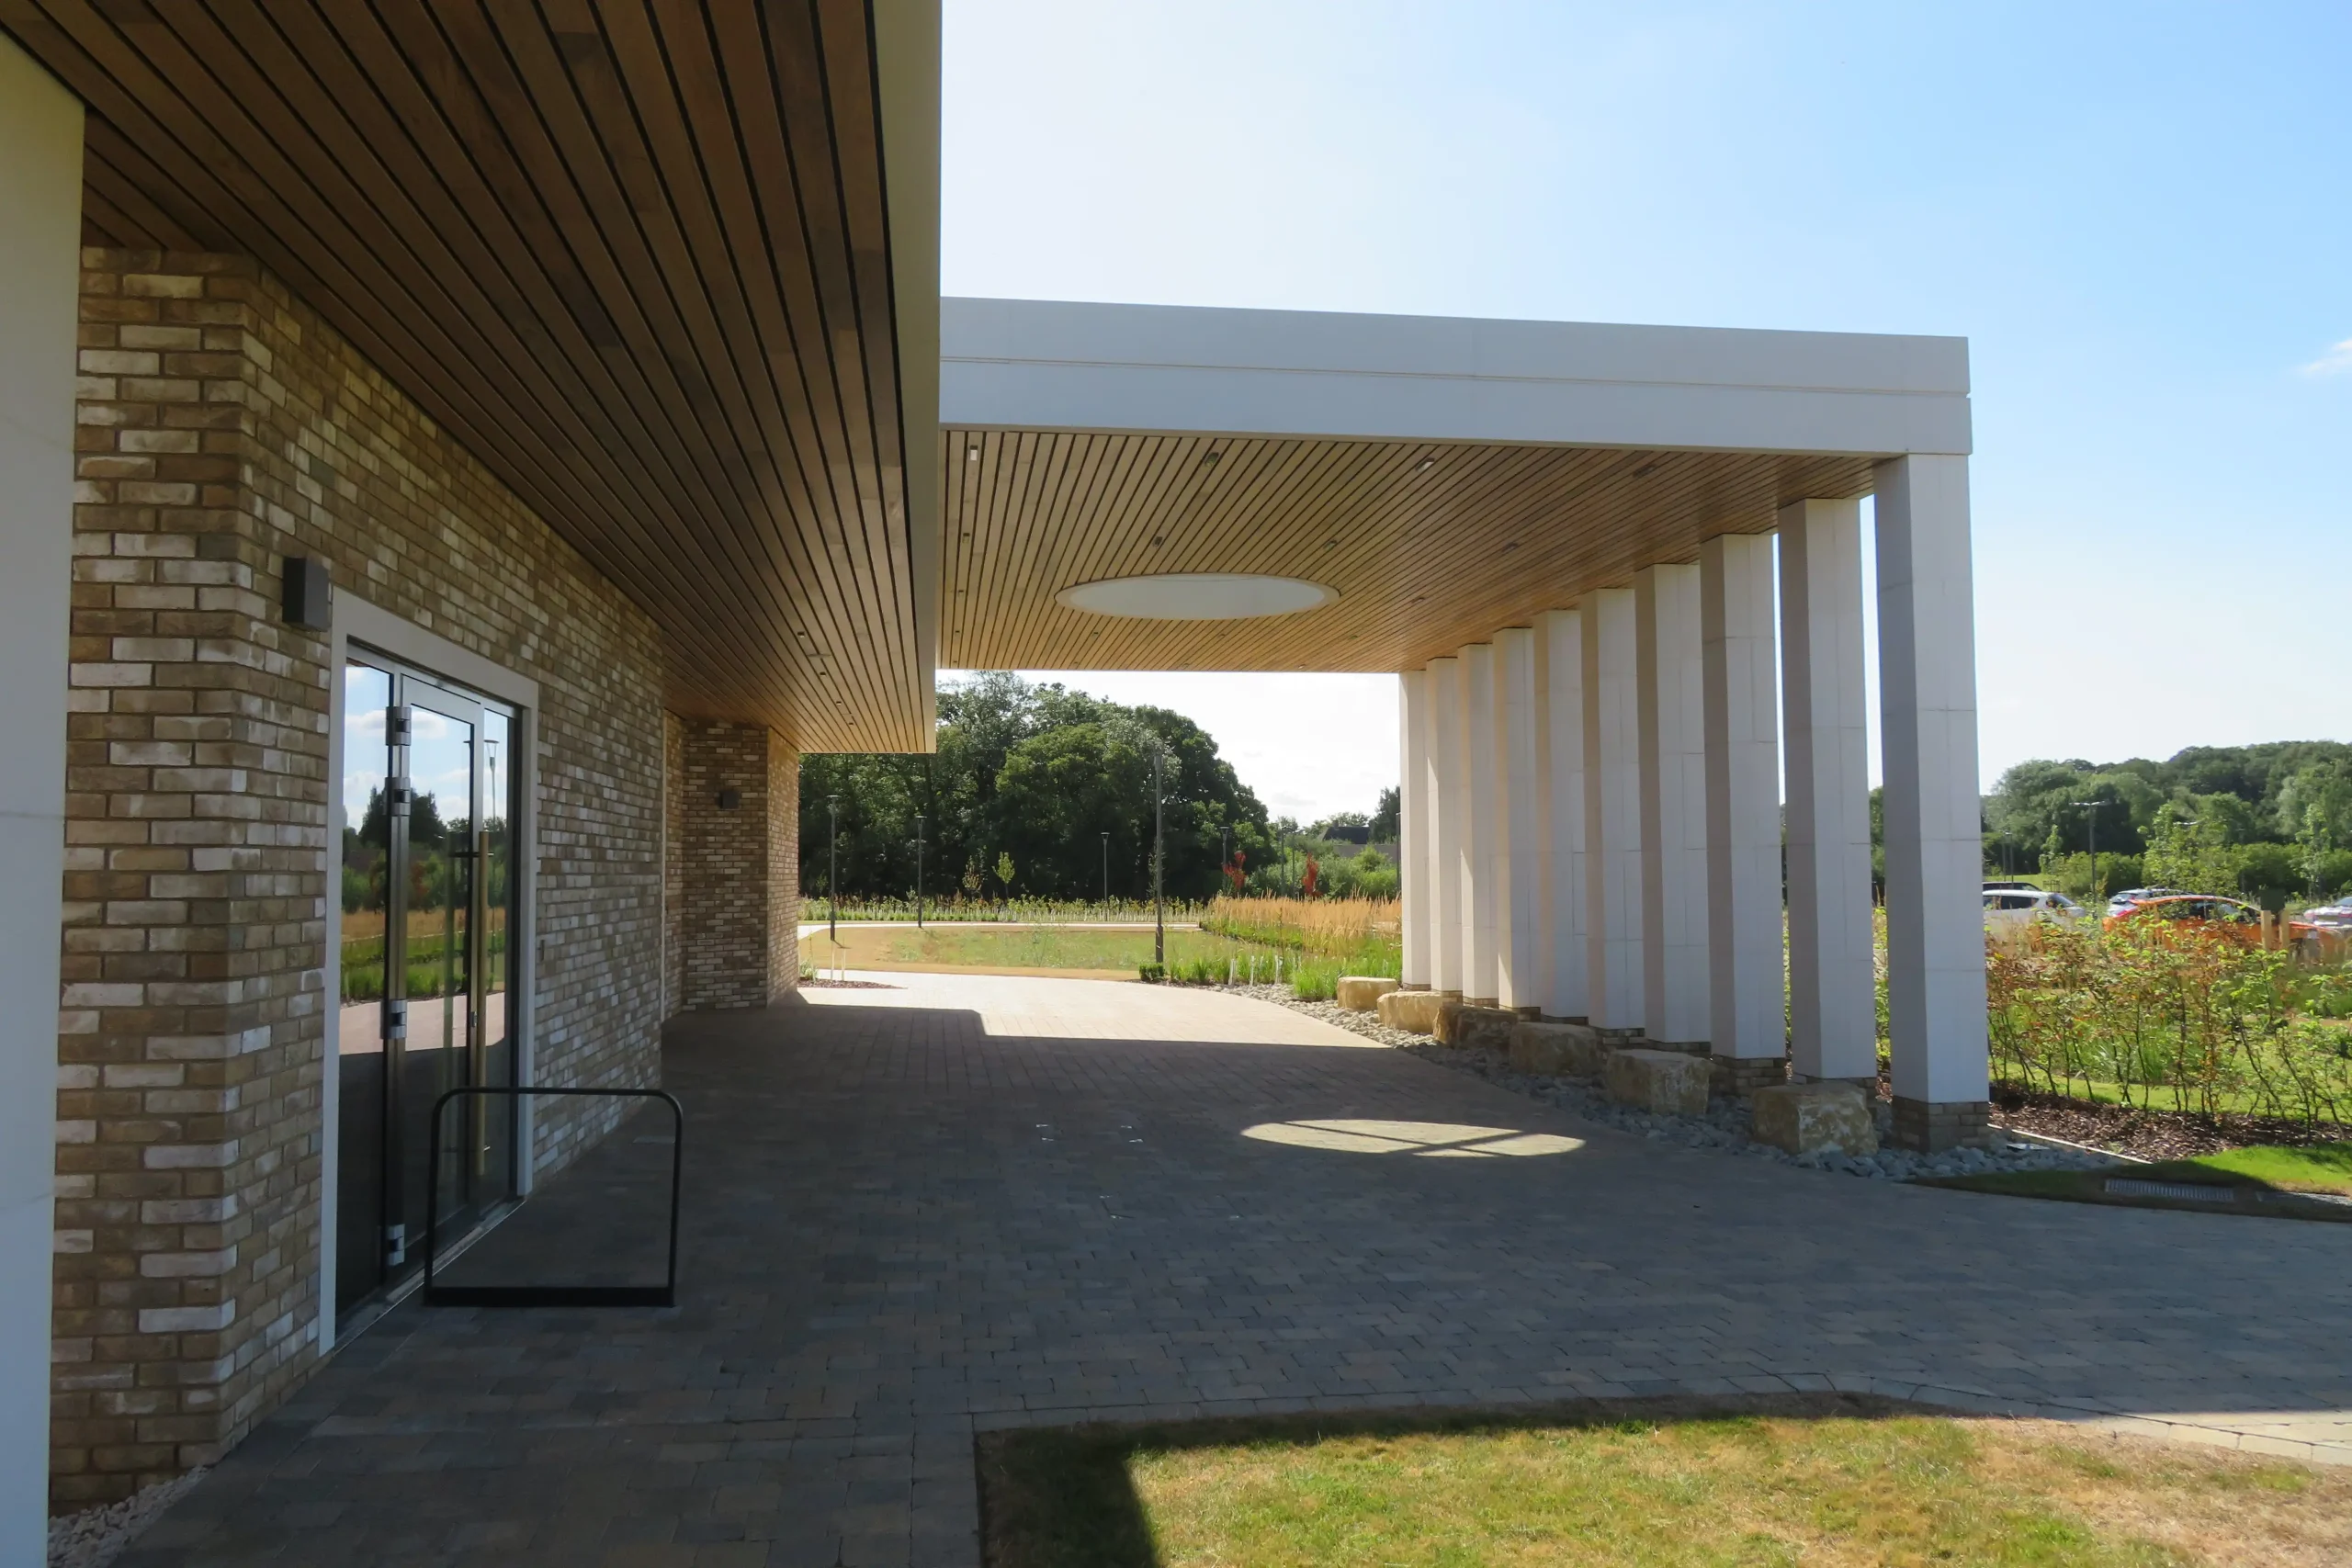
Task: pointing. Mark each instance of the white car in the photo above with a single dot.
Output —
(2008, 909)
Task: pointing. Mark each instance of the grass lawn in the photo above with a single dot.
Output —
(1825, 1480)
(1034, 950)
(2248, 1173)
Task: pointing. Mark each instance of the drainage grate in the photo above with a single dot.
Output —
(2122, 1186)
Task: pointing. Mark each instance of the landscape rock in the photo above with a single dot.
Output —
(1362, 992)
(1415, 1013)
(1466, 1028)
(1814, 1118)
(1665, 1083)
(1557, 1050)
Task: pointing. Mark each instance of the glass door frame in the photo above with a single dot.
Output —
(415, 686)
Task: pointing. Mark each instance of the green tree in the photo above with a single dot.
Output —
(1034, 776)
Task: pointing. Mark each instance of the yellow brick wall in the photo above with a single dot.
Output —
(737, 866)
(222, 427)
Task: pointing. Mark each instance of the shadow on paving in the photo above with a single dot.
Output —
(901, 1230)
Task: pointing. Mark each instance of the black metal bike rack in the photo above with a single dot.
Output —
(435, 1294)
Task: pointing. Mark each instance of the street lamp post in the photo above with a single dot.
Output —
(833, 868)
(918, 871)
(2091, 834)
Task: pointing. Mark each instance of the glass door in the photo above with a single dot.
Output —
(427, 895)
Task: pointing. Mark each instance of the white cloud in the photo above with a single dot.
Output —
(2336, 361)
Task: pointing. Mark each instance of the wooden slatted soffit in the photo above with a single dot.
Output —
(635, 256)
(1430, 547)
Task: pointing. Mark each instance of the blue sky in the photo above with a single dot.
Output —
(2140, 217)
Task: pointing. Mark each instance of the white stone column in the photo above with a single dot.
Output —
(1518, 940)
(1559, 641)
(1833, 1002)
(1412, 830)
(1446, 797)
(1746, 991)
(1671, 684)
(1612, 813)
(1935, 851)
(40, 238)
(1482, 892)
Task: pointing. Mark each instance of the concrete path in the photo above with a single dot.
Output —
(968, 1201)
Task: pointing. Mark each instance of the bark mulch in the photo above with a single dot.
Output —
(2150, 1134)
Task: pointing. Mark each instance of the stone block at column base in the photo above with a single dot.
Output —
(1932, 1127)
(1620, 1036)
(1666, 1083)
(1412, 984)
(1415, 1013)
(1807, 1118)
(1557, 1050)
(1468, 1026)
(1742, 1076)
(1362, 992)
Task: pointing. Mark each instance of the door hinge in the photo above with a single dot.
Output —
(395, 1245)
(396, 725)
(395, 1017)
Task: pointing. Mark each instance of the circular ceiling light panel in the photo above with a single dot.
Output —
(1198, 596)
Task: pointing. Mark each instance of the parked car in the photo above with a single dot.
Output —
(2331, 917)
(2229, 918)
(2118, 902)
(2011, 909)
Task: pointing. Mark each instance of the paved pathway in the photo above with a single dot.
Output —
(965, 1202)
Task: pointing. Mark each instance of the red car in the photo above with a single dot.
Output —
(2228, 918)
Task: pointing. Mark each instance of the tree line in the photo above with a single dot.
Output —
(2271, 821)
(1032, 791)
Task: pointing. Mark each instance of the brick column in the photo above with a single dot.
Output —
(190, 1037)
(738, 865)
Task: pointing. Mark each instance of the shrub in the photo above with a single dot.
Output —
(2147, 1006)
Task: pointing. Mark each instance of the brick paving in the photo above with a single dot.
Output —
(968, 1202)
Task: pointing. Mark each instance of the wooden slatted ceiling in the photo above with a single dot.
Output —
(634, 256)
(1430, 547)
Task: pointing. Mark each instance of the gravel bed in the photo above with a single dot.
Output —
(96, 1537)
(1724, 1128)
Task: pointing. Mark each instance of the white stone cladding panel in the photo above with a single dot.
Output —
(1560, 674)
(1833, 1004)
(1612, 812)
(1934, 835)
(1672, 704)
(1412, 825)
(1447, 802)
(1482, 863)
(1518, 940)
(1741, 754)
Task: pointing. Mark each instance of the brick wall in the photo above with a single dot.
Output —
(221, 427)
(673, 865)
(740, 895)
